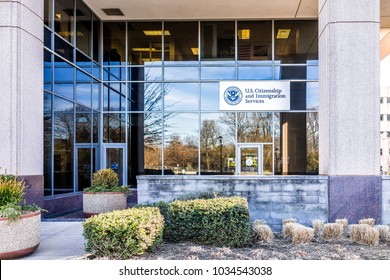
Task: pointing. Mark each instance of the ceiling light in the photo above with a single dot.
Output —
(283, 33)
(143, 49)
(156, 32)
(195, 51)
(151, 59)
(113, 12)
(244, 34)
(58, 15)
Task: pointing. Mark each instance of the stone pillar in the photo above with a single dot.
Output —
(21, 93)
(349, 106)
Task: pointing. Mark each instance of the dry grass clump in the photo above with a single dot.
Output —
(317, 226)
(368, 221)
(343, 222)
(383, 232)
(263, 233)
(332, 231)
(364, 234)
(258, 222)
(289, 220)
(301, 234)
(288, 229)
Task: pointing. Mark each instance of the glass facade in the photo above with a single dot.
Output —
(143, 97)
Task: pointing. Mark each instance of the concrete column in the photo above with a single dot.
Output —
(349, 106)
(21, 92)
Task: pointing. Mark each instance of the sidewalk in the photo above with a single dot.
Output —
(59, 241)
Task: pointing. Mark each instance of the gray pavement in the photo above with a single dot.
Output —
(59, 241)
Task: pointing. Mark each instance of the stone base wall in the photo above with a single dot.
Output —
(270, 198)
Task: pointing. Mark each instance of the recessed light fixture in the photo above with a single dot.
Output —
(195, 51)
(143, 49)
(283, 33)
(244, 34)
(113, 12)
(156, 32)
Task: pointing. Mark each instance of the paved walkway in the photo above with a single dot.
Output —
(59, 241)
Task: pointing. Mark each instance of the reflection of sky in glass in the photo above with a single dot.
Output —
(83, 93)
(181, 73)
(183, 125)
(255, 73)
(65, 90)
(218, 73)
(181, 96)
(61, 105)
(312, 96)
(210, 96)
(63, 72)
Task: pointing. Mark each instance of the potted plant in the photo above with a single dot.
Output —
(105, 194)
(20, 224)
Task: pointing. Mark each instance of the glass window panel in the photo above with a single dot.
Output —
(181, 144)
(47, 38)
(218, 73)
(217, 143)
(48, 13)
(47, 137)
(254, 127)
(114, 41)
(95, 127)
(209, 96)
(146, 96)
(144, 42)
(147, 74)
(267, 160)
(63, 146)
(217, 40)
(83, 27)
(298, 95)
(181, 96)
(255, 73)
(83, 126)
(84, 62)
(63, 48)
(96, 38)
(114, 128)
(312, 102)
(64, 19)
(83, 88)
(95, 95)
(181, 41)
(181, 73)
(254, 40)
(278, 161)
(96, 70)
(48, 71)
(312, 132)
(296, 41)
(114, 74)
(63, 78)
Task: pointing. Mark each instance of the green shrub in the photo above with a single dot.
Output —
(106, 180)
(11, 190)
(217, 221)
(120, 234)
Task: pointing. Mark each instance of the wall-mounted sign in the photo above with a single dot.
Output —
(254, 96)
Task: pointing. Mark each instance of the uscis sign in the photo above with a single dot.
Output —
(254, 96)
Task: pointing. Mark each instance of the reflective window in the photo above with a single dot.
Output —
(181, 96)
(47, 38)
(181, 73)
(296, 41)
(144, 42)
(83, 124)
(113, 100)
(181, 144)
(47, 137)
(254, 40)
(63, 146)
(95, 94)
(96, 38)
(83, 27)
(181, 41)
(217, 40)
(217, 143)
(312, 131)
(254, 127)
(83, 88)
(114, 42)
(147, 74)
(63, 19)
(218, 73)
(114, 128)
(84, 62)
(48, 71)
(147, 96)
(63, 78)
(48, 13)
(63, 48)
(255, 72)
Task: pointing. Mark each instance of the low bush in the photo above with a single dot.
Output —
(11, 190)
(288, 229)
(383, 232)
(368, 221)
(317, 226)
(332, 231)
(364, 234)
(120, 234)
(262, 233)
(106, 180)
(289, 220)
(343, 222)
(301, 234)
(222, 221)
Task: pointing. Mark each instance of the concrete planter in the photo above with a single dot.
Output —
(21, 237)
(101, 202)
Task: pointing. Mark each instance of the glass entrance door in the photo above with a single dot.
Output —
(115, 158)
(250, 160)
(85, 165)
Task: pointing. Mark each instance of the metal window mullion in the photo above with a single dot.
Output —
(273, 49)
(52, 141)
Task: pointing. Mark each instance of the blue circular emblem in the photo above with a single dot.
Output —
(232, 95)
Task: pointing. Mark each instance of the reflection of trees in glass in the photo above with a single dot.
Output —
(254, 127)
(209, 133)
(181, 154)
(312, 142)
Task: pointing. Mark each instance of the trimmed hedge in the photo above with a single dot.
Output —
(218, 221)
(121, 234)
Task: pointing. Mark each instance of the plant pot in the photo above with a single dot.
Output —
(101, 202)
(20, 237)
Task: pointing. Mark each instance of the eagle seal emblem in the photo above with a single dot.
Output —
(232, 95)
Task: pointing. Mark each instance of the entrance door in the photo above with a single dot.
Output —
(85, 165)
(114, 157)
(250, 160)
